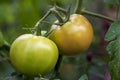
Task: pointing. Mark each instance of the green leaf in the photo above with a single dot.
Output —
(113, 2)
(110, 49)
(114, 50)
(113, 31)
(84, 77)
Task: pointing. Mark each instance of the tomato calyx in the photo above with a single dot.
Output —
(62, 19)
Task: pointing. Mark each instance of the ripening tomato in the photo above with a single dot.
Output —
(73, 37)
(33, 55)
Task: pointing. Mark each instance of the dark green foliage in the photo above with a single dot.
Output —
(113, 49)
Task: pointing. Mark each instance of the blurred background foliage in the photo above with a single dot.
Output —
(16, 15)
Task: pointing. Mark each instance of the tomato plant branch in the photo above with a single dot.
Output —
(61, 9)
(78, 6)
(57, 14)
(97, 15)
(55, 10)
(38, 23)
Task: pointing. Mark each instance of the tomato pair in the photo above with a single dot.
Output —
(33, 55)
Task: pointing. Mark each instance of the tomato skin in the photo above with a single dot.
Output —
(74, 36)
(33, 55)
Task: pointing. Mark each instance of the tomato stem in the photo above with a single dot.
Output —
(57, 14)
(38, 23)
(97, 15)
(61, 9)
(78, 6)
(55, 10)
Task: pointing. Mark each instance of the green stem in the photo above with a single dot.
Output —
(78, 6)
(65, 12)
(49, 32)
(61, 9)
(38, 23)
(97, 15)
(58, 15)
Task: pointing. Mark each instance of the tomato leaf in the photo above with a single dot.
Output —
(84, 77)
(113, 31)
(114, 51)
(113, 48)
(113, 2)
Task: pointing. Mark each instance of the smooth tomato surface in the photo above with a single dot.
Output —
(33, 55)
(74, 36)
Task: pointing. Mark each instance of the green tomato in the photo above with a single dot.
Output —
(33, 55)
(73, 37)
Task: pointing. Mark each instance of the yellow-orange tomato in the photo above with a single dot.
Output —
(74, 37)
